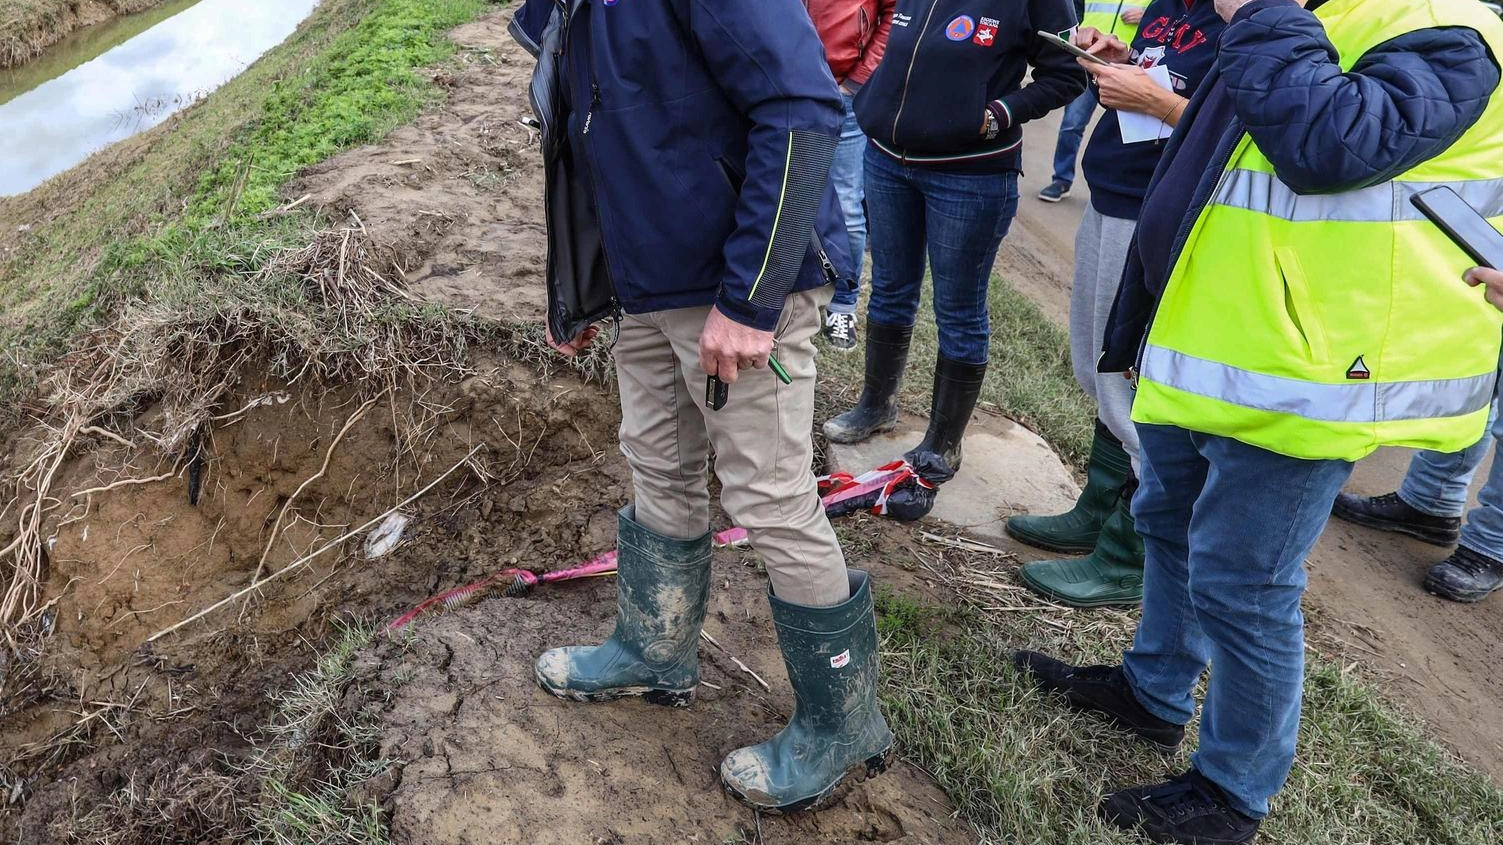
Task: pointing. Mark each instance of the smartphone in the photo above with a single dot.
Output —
(1462, 224)
(1071, 48)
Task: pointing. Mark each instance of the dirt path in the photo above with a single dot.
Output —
(1445, 660)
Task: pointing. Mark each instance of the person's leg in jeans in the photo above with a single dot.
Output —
(1072, 130)
(1475, 569)
(897, 223)
(1169, 650)
(968, 215)
(1437, 482)
(1254, 521)
(847, 176)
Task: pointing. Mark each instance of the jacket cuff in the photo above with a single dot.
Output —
(1256, 6)
(1002, 111)
(747, 314)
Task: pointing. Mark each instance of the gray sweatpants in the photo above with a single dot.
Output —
(1100, 254)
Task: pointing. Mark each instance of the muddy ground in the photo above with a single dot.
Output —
(168, 728)
(486, 756)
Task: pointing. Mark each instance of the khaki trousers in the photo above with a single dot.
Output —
(762, 440)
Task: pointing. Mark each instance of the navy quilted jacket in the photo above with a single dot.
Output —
(1325, 131)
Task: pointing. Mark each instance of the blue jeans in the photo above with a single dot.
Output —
(1226, 528)
(1071, 132)
(959, 220)
(1437, 484)
(850, 188)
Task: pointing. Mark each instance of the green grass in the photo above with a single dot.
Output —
(171, 234)
(1029, 378)
(1023, 769)
(295, 809)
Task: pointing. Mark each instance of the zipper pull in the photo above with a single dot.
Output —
(594, 101)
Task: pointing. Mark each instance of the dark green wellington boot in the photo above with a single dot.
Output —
(662, 587)
(837, 733)
(877, 410)
(957, 385)
(1075, 532)
(1112, 574)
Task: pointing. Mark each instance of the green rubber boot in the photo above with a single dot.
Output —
(1075, 533)
(837, 733)
(662, 587)
(1112, 574)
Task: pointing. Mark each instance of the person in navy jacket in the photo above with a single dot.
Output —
(945, 113)
(688, 146)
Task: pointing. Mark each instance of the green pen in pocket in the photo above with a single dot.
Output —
(777, 369)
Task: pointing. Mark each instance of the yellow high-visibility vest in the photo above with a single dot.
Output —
(1327, 325)
(1106, 15)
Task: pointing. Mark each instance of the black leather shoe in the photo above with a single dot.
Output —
(1390, 513)
(1100, 689)
(1465, 576)
(1189, 809)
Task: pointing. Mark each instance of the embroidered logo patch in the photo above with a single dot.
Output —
(961, 28)
(1359, 371)
(986, 32)
(840, 660)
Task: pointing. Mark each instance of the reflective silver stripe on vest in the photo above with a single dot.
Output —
(1358, 402)
(1105, 8)
(1264, 193)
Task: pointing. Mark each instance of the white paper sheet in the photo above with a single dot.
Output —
(1138, 128)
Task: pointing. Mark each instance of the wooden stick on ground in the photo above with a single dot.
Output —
(303, 561)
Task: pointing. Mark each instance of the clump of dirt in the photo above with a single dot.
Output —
(489, 757)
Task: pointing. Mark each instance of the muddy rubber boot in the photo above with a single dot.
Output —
(837, 733)
(1111, 575)
(956, 388)
(1075, 532)
(877, 410)
(662, 587)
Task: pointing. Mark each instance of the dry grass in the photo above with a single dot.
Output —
(28, 27)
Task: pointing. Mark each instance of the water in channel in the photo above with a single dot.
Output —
(122, 77)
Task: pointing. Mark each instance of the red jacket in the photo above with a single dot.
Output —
(855, 36)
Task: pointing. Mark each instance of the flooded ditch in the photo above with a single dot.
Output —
(111, 81)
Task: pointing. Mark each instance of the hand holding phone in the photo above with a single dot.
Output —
(1055, 41)
(1462, 224)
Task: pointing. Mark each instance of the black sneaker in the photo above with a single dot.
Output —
(1189, 810)
(1055, 191)
(1465, 576)
(840, 331)
(1390, 513)
(1100, 689)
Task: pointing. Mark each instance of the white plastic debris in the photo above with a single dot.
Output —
(386, 536)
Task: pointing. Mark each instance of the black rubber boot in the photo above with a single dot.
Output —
(956, 388)
(1076, 531)
(1391, 513)
(1466, 576)
(877, 410)
(1100, 689)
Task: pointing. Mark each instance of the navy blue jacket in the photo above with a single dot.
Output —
(688, 146)
(1406, 101)
(946, 60)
